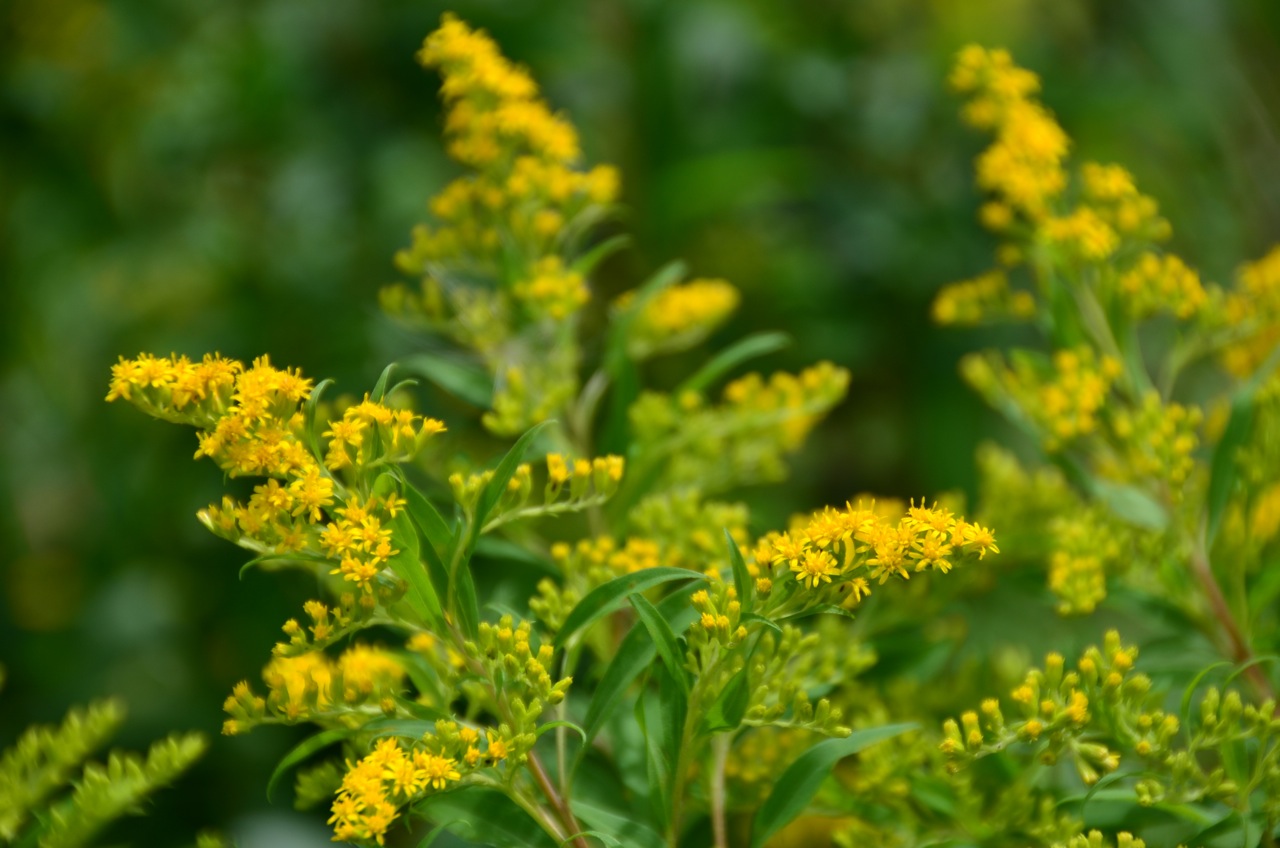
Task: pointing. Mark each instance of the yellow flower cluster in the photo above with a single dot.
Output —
(496, 268)
(1082, 233)
(680, 316)
(1023, 167)
(1063, 401)
(857, 543)
(396, 773)
(745, 437)
(175, 388)
(494, 106)
(572, 485)
(1058, 708)
(1264, 517)
(986, 297)
(359, 539)
(552, 289)
(1162, 284)
(1254, 307)
(1109, 191)
(504, 650)
(602, 558)
(370, 432)
(1157, 441)
(307, 685)
(1079, 579)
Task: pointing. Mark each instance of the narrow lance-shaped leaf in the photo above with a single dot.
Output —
(302, 751)
(797, 785)
(664, 639)
(731, 357)
(610, 597)
(741, 577)
(634, 655)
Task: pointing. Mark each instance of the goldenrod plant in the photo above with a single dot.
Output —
(1153, 404)
(667, 639)
(52, 796)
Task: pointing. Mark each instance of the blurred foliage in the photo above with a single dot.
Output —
(237, 177)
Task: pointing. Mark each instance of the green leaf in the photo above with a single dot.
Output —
(616, 356)
(380, 388)
(664, 638)
(661, 718)
(587, 262)
(495, 488)
(800, 782)
(823, 609)
(594, 834)
(1224, 469)
(741, 577)
(435, 530)
(407, 565)
(461, 377)
(487, 816)
(302, 751)
(636, 834)
(403, 728)
(760, 619)
(610, 597)
(1131, 504)
(495, 547)
(730, 706)
(309, 419)
(552, 725)
(731, 357)
(293, 557)
(633, 656)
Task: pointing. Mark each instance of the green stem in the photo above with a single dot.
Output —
(720, 744)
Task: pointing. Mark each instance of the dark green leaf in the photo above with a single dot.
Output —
(436, 531)
(1223, 472)
(302, 751)
(624, 826)
(295, 557)
(497, 486)
(797, 785)
(731, 357)
(730, 706)
(609, 597)
(487, 816)
(741, 577)
(461, 377)
(633, 656)
(407, 565)
(309, 418)
(668, 645)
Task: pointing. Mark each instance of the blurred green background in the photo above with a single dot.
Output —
(236, 176)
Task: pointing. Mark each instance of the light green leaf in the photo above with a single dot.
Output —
(741, 577)
(461, 377)
(731, 357)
